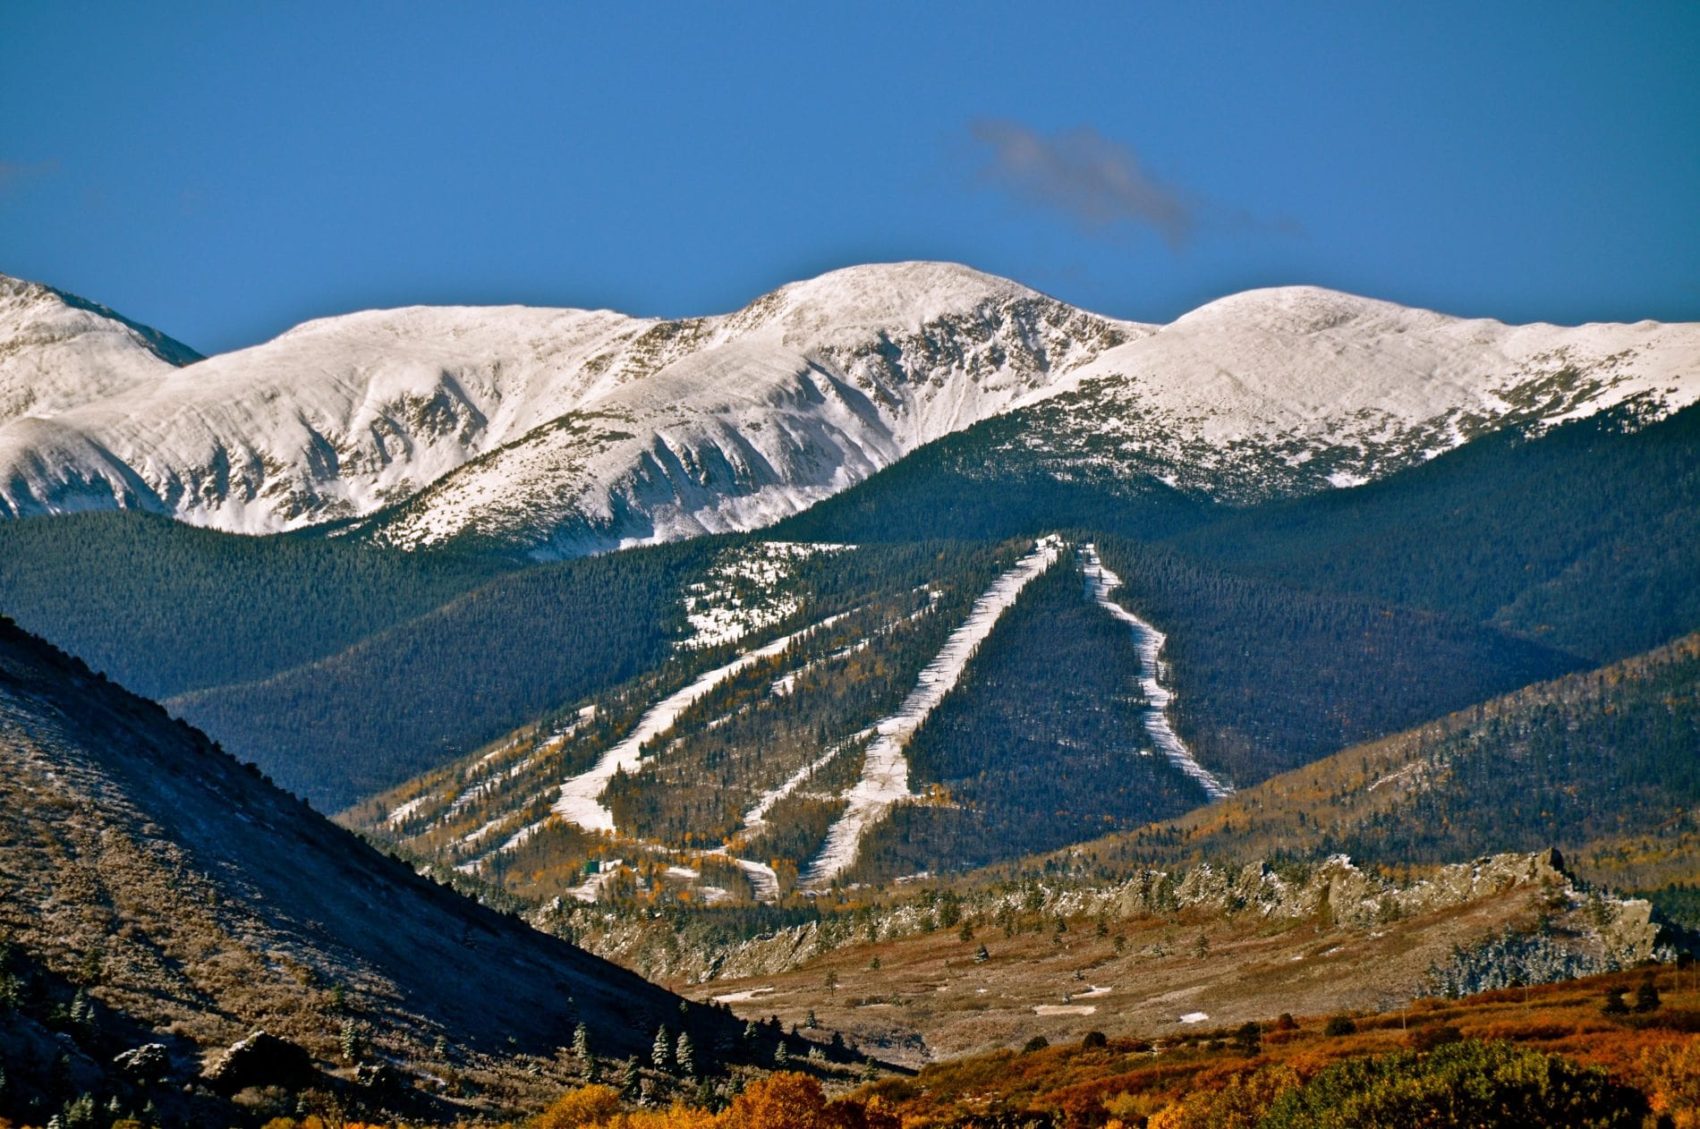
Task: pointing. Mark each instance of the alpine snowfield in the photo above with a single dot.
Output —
(1157, 696)
(885, 770)
(551, 431)
(560, 432)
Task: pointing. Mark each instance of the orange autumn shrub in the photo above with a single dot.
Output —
(680, 1116)
(1672, 1078)
(1238, 1104)
(579, 1109)
(796, 1101)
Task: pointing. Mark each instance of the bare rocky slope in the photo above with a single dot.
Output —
(557, 432)
(187, 893)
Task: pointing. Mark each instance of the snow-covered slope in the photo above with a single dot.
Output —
(564, 431)
(568, 429)
(57, 351)
(1294, 389)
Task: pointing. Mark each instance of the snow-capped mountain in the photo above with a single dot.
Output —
(568, 429)
(58, 351)
(1296, 389)
(562, 431)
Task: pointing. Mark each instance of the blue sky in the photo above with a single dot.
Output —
(223, 171)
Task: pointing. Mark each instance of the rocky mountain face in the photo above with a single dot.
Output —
(1279, 392)
(180, 890)
(1619, 932)
(970, 966)
(557, 432)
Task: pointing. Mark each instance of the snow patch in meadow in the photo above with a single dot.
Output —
(743, 997)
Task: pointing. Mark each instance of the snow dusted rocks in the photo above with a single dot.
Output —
(558, 432)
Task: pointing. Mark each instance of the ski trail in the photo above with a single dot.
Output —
(757, 815)
(1150, 643)
(580, 803)
(885, 770)
(762, 878)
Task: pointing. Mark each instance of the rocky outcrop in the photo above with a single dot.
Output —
(145, 1065)
(261, 1059)
(1334, 890)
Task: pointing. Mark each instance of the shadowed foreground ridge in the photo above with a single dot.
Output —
(196, 899)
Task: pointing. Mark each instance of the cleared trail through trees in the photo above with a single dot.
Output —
(1157, 696)
(885, 769)
(581, 796)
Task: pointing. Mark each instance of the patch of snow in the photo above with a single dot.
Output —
(762, 878)
(406, 811)
(742, 997)
(1064, 1009)
(1194, 1017)
(1397, 774)
(757, 815)
(720, 609)
(590, 890)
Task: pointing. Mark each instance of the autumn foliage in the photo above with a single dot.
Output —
(780, 1101)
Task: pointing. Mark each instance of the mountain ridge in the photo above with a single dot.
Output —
(553, 433)
(208, 902)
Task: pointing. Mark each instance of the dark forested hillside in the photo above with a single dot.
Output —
(1269, 676)
(515, 651)
(412, 697)
(167, 608)
(1583, 537)
(1044, 744)
(1579, 762)
(982, 483)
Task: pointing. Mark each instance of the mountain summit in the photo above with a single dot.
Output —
(558, 432)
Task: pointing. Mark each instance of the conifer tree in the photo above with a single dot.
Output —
(661, 1054)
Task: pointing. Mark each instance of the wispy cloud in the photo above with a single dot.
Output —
(15, 173)
(1095, 181)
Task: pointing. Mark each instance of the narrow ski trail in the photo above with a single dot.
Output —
(885, 769)
(1150, 643)
(580, 801)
